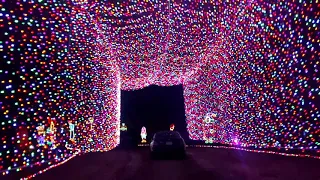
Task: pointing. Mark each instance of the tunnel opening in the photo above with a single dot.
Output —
(154, 107)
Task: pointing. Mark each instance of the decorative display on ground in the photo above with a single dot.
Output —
(143, 134)
(172, 127)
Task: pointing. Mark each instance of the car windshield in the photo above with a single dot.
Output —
(167, 135)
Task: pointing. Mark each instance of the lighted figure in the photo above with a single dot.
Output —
(48, 131)
(52, 128)
(71, 130)
(41, 130)
(52, 123)
(49, 139)
(51, 134)
(53, 141)
(209, 127)
(235, 141)
(91, 122)
(41, 135)
(172, 127)
(41, 140)
(123, 127)
(143, 135)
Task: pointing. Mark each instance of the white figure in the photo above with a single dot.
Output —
(91, 122)
(208, 129)
(71, 127)
(123, 127)
(143, 134)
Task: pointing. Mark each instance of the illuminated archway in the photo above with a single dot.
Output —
(195, 66)
(214, 56)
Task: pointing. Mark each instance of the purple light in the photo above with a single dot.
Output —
(236, 141)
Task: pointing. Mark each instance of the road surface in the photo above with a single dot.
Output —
(202, 163)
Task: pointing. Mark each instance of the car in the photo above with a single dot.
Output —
(168, 143)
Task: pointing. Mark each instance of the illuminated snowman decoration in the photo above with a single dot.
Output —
(143, 134)
(208, 129)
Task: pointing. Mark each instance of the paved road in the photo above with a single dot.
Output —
(202, 163)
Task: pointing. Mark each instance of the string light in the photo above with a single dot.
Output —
(257, 151)
(36, 79)
(52, 166)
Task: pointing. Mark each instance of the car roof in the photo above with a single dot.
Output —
(167, 132)
(164, 133)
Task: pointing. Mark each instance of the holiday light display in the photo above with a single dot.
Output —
(123, 127)
(71, 130)
(143, 134)
(36, 83)
(172, 127)
(41, 135)
(257, 151)
(91, 120)
(254, 63)
(209, 127)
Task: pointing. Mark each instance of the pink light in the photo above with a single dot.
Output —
(236, 141)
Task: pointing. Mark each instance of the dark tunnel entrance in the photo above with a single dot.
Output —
(155, 107)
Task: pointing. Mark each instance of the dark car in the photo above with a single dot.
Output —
(168, 143)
